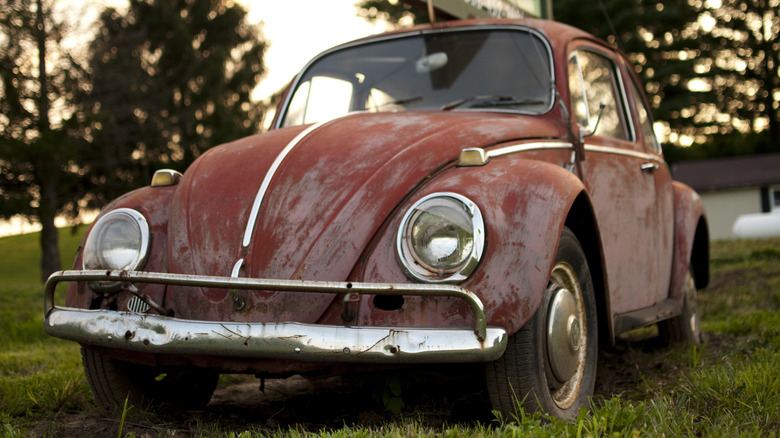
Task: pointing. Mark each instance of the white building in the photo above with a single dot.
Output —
(730, 187)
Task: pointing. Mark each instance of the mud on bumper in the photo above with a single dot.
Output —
(157, 334)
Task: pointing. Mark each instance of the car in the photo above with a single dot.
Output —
(479, 191)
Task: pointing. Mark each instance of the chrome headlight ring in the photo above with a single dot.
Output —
(119, 240)
(441, 238)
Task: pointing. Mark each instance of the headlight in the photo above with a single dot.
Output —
(118, 241)
(441, 238)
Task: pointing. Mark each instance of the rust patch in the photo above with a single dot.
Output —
(389, 335)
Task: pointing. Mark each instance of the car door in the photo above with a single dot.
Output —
(662, 228)
(622, 179)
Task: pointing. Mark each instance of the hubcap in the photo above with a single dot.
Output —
(563, 334)
(566, 335)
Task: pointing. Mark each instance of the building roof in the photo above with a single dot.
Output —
(729, 173)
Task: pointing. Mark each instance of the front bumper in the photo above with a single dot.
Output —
(156, 334)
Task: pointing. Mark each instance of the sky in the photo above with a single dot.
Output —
(297, 30)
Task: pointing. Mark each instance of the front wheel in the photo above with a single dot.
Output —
(113, 381)
(550, 364)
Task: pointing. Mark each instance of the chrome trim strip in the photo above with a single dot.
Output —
(303, 286)
(623, 152)
(290, 341)
(237, 268)
(250, 226)
(541, 145)
(632, 132)
(531, 146)
(649, 167)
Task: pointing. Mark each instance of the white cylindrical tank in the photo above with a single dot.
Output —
(757, 225)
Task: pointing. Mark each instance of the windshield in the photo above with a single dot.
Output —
(496, 70)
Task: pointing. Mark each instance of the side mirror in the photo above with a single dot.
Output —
(584, 131)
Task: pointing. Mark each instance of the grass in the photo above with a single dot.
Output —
(727, 387)
(39, 375)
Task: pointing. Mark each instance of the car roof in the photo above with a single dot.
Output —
(557, 33)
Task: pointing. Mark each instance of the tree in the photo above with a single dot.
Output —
(170, 80)
(744, 73)
(710, 68)
(38, 82)
(663, 41)
(393, 11)
(165, 81)
(660, 38)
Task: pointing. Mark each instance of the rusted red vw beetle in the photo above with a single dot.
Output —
(478, 191)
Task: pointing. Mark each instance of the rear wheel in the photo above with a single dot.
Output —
(686, 327)
(550, 364)
(113, 381)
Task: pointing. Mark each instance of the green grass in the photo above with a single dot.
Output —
(728, 387)
(21, 291)
(39, 375)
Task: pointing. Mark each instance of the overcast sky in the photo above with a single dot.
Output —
(299, 29)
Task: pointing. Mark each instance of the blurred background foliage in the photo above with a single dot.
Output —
(161, 81)
(711, 68)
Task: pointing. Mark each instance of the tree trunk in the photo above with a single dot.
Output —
(50, 251)
(47, 209)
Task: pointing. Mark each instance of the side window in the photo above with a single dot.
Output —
(644, 119)
(596, 103)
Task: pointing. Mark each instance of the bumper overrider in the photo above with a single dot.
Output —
(158, 334)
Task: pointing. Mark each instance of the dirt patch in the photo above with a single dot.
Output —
(245, 403)
(636, 370)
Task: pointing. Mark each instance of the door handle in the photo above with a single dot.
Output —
(649, 167)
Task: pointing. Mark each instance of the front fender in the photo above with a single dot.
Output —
(154, 204)
(691, 240)
(524, 204)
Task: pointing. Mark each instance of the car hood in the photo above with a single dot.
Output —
(328, 196)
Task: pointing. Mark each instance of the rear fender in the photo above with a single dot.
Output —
(525, 205)
(691, 240)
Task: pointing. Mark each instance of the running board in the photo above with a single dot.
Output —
(649, 315)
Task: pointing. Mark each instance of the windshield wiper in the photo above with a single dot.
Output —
(490, 101)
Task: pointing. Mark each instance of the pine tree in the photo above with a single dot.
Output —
(662, 40)
(744, 71)
(38, 155)
(170, 80)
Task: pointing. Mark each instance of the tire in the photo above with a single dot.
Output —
(686, 327)
(113, 381)
(553, 371)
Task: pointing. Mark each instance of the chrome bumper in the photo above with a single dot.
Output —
(151, 333)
